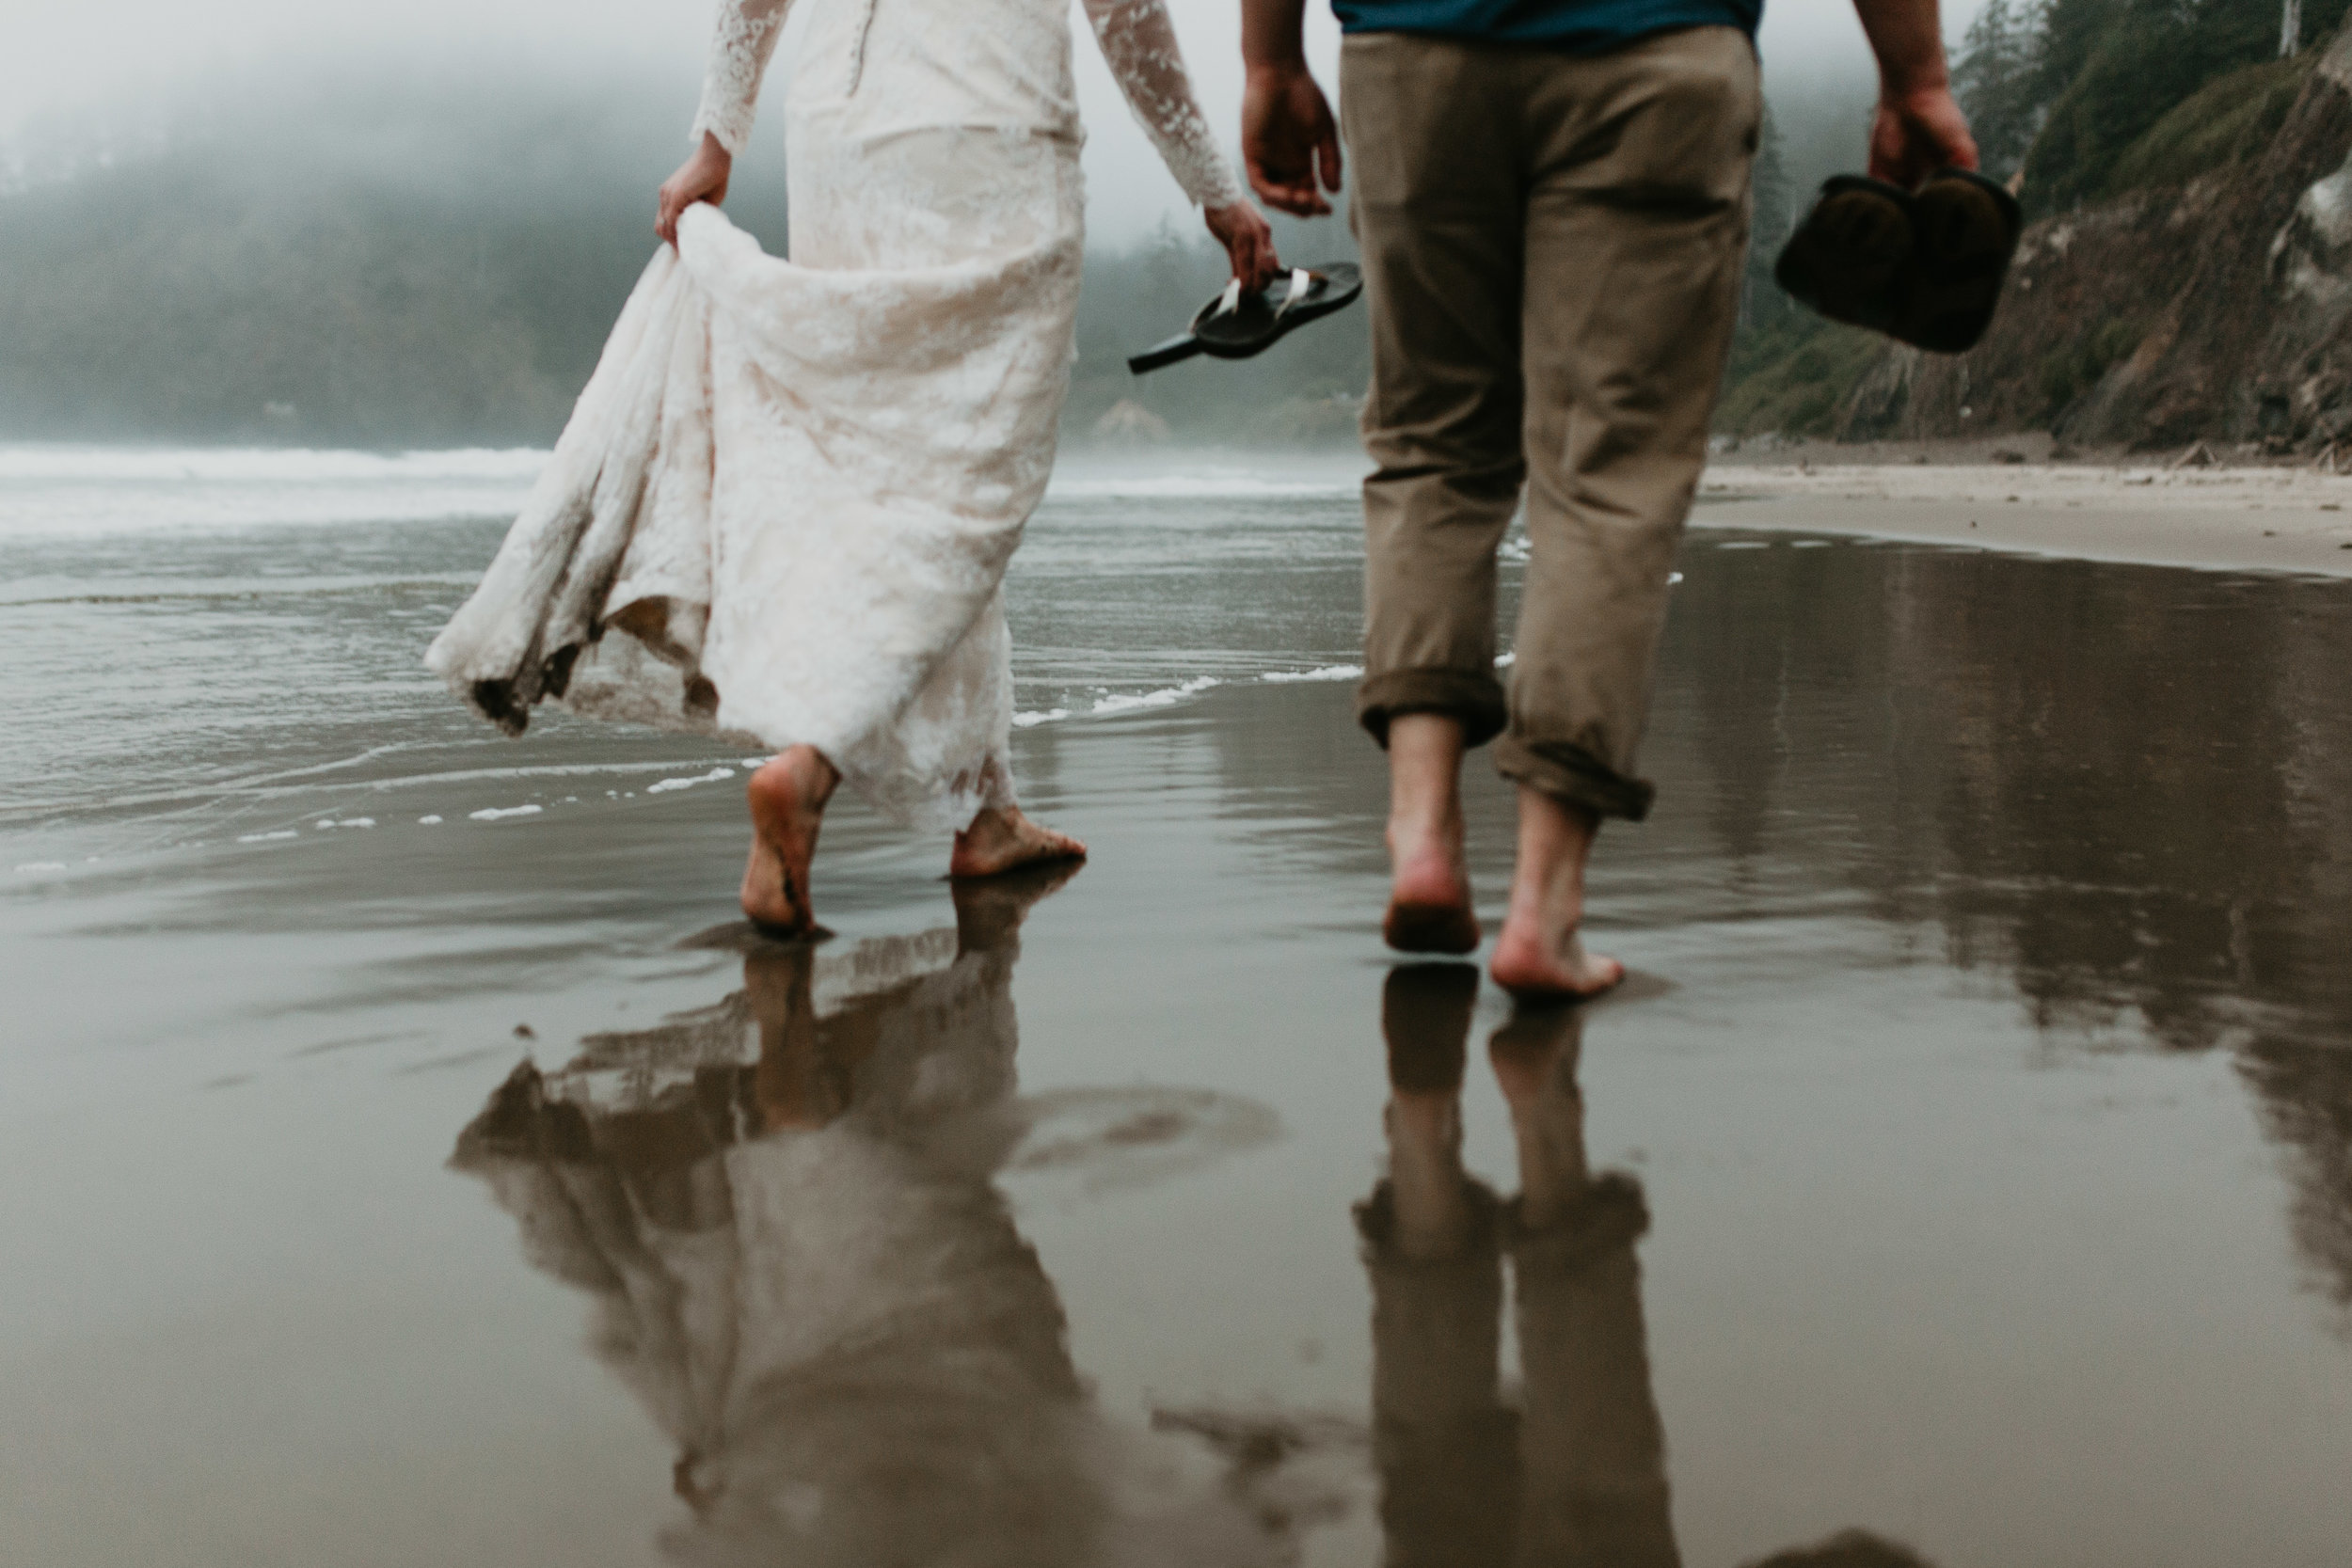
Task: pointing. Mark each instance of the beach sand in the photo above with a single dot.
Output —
(2253, 517)
(1983, 1071)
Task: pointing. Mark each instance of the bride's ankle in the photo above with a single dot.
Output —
(989, 828)
(805, 771)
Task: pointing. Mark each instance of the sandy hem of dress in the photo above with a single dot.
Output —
(540, 629)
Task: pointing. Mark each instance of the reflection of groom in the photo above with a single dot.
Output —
(1576, 1478)
(1552, 200)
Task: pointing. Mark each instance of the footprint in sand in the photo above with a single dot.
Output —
(1115, 1139)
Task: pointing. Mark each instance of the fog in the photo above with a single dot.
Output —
(411, 250)
(281, 222)
(76, 72)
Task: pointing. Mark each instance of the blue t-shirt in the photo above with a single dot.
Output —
(1580, 27)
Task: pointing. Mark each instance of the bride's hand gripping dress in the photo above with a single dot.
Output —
(782, 507)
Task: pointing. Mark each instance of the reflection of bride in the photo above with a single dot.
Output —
(804, 1270)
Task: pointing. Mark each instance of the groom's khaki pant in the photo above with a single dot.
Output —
(1553, 248)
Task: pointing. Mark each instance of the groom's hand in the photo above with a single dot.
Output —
(1917, 132)
(1919, 128)
(1288, 138)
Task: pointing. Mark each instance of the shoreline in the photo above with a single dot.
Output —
(2019, 493)
(2251, 518)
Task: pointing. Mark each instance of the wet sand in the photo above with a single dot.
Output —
(2282, 520)
(1968, 1161)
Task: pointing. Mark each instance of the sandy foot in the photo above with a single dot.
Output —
(1429, 898)
(1002, 841)
(1540, 955)
(788, 799)
(1536, 964)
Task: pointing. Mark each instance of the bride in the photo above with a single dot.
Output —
(783, 505)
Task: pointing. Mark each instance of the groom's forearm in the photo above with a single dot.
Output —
(1907, 36)
(1273, 32)
(1288, 141)
(1918, 128)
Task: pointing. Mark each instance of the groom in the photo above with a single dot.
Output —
(1552, 201)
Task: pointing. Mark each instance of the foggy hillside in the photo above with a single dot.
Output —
(393, 256)
(403, 261)
(2164, 146)
(382, 261)
(2211, 304)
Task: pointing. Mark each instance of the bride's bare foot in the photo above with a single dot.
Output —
(1429, 894)
(787, 797)
(1002, 840)
(1540, 955)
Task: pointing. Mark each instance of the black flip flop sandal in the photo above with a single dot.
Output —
(1239, 326)
(1851, 258)
(1966, 228)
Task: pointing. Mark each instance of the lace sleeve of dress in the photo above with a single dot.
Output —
(740, 51)
(1139, 42)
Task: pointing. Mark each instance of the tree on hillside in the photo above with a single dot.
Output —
(1772, 217)
(2109, 70)
(1999, 81)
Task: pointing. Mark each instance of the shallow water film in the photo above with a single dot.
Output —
(409, 1157)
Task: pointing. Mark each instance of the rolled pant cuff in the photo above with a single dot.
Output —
(1570, 773)
(1608, 1216)
(1471, 696)
(1477, 1248)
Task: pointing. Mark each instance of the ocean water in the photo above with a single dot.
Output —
(410, 1159)
(265, 611)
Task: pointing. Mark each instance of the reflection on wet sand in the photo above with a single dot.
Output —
(1576, 1474)
(803, 1268)
(2121, 786)
(2122, 789)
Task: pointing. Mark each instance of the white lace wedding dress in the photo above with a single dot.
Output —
(783, 505)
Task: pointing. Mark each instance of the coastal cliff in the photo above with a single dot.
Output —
(2217, 307)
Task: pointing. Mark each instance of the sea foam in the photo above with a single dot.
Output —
(1122, 702)
(1193, 487)
(264, 464)
(665, 785)
(84, 491)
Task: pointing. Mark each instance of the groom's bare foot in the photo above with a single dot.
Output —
(787, 797)
(1535, 965)
(1002, 839)
(1429, 897)
(1429, 891)
(1540, 955)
